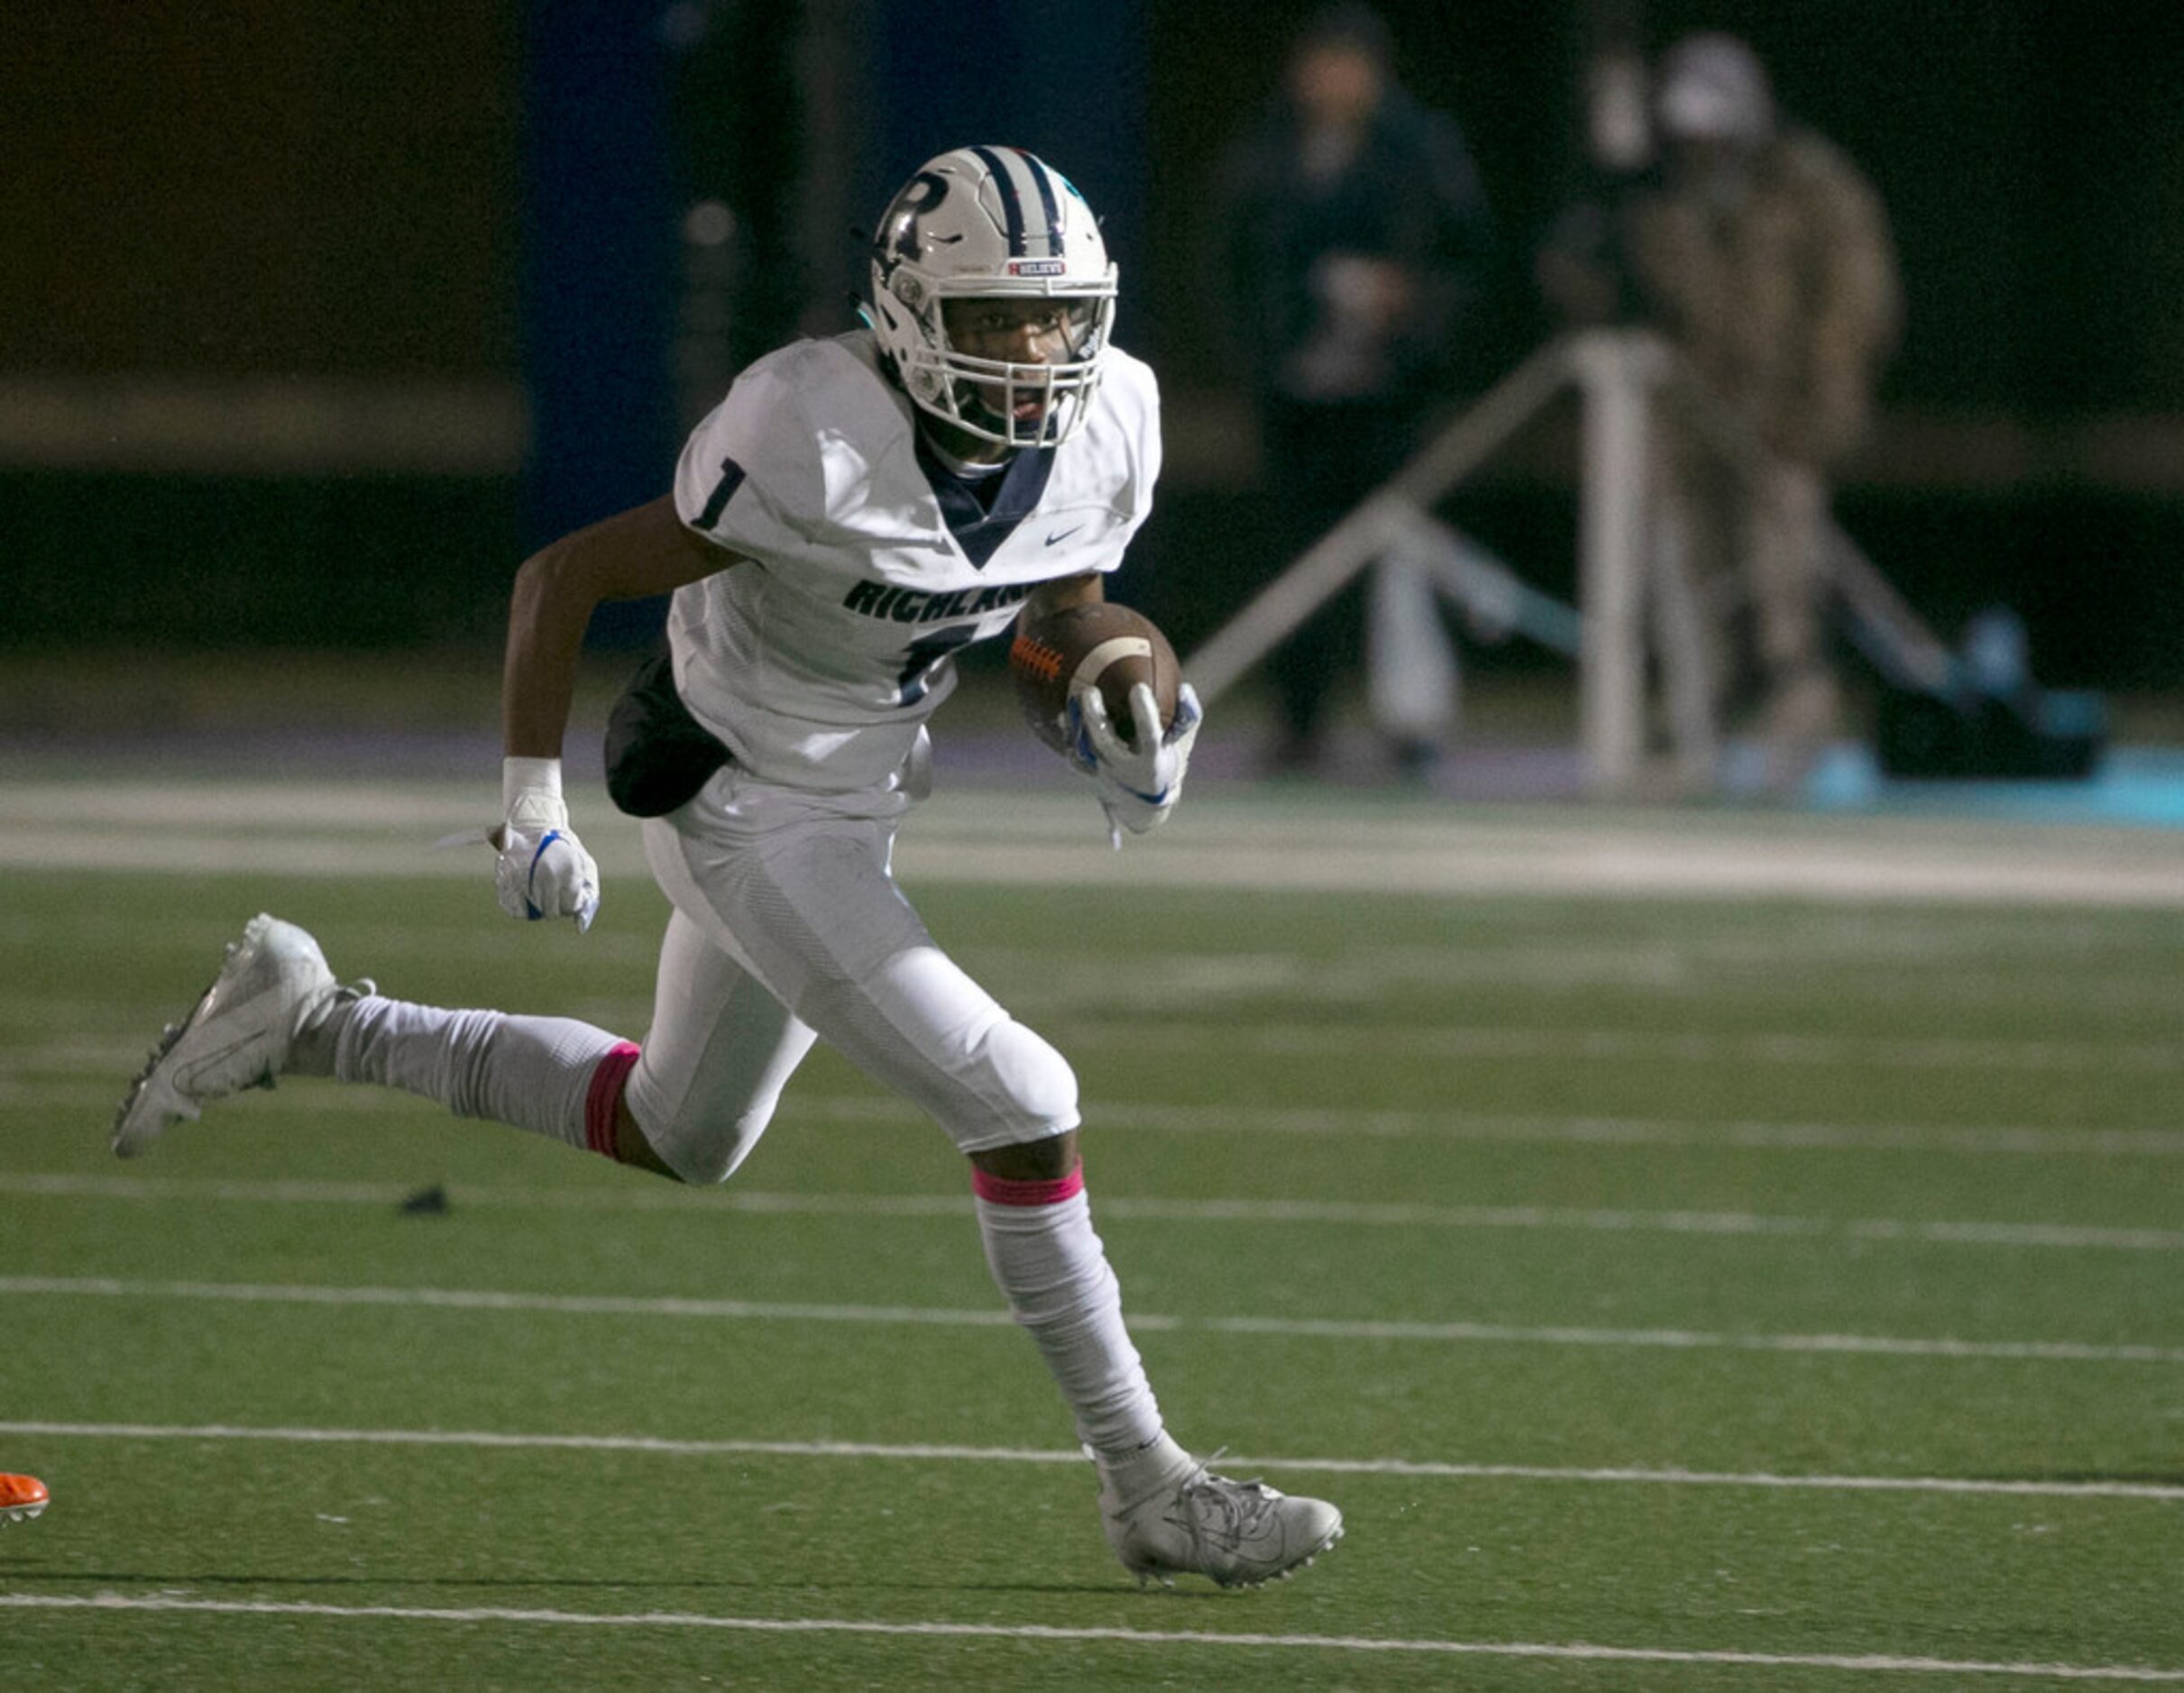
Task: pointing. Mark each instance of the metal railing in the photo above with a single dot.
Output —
(1619, 376)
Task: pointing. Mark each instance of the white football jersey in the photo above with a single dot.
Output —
(818, 657)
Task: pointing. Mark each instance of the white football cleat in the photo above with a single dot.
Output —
(1183, 1519)
(274, 984)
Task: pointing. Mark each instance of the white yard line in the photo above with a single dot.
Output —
(1459, 1043)
(276, 829)
(1740, 1134)
(1331, 1329)
(1338, 1213)
(112, 1060)
(1455, 1042)
(1874, 1663)
(918, 1452)
(46, 1090)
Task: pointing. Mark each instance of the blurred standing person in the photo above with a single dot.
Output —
(1765, 256)
(1355, 240)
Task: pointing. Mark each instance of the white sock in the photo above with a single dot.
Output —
(1052, 1267)
(533, 1072)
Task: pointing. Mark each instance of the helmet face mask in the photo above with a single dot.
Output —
(1012, 400)
(994, 223)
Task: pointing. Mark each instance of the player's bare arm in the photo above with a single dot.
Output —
(646, 549)
(543, 870)
(1065, 591)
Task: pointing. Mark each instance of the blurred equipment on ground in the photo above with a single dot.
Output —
(1988, 717)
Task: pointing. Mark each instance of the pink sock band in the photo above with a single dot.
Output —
(605, 1094)
(999, 1191)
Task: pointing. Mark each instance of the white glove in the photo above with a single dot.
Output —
(1140, 780)
(544, 870)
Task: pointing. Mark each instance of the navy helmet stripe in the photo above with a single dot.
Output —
(1044, 179)
(1011, 201)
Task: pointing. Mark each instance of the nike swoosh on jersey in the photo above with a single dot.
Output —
(1064, 534)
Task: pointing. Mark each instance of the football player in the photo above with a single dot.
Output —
(855, 512)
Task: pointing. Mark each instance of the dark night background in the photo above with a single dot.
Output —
(315, 316)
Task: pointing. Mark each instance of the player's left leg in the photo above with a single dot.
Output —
(815, 913)
(1165, 1513)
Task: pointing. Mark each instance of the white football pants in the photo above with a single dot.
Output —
(788, 926)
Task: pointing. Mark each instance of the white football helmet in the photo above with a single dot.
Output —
(987, 222)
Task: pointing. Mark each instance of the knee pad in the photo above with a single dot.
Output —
(1035, 1080)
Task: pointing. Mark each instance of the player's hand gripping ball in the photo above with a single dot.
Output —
(1100, 685)
(1100, 646)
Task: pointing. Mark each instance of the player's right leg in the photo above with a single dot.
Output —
(275, 1009)
(720, 1051)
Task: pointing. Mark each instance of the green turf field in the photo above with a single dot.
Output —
(1674, 1292)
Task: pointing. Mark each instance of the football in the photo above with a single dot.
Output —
(1099, 645)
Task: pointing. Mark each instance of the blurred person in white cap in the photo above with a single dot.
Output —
(1761, 251)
